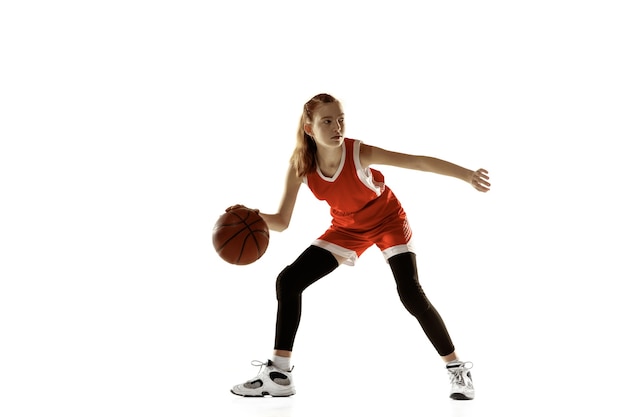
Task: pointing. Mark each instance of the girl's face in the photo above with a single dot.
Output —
(327, 126)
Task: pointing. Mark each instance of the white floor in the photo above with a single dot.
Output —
(511, 392)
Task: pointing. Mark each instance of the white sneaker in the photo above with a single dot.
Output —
(270, 380)
(462, 387)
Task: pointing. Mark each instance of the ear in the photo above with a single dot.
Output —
(307, 129)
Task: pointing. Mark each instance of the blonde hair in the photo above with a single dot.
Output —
(303, 157)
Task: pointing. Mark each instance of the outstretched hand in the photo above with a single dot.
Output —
(479, 180)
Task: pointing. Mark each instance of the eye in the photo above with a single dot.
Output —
(326, 122)
(341, 120)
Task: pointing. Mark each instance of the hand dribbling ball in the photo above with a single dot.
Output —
(240, 236)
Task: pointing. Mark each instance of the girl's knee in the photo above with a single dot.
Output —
(287, 283)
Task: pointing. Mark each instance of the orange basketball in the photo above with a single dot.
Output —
(240, 236)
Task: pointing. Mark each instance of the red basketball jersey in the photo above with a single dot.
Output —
(358, 197)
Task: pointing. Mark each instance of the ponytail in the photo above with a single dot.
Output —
(303, 157)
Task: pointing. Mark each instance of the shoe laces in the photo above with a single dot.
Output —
(259, 364)
(456, 373)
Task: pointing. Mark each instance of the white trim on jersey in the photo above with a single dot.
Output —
(365, 175)
(339, 168)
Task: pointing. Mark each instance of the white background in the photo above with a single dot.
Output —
(127, 127)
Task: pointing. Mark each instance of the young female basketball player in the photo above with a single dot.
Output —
(365, 212)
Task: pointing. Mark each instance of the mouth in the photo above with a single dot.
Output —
(337, 137)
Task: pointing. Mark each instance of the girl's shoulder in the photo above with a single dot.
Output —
(364, 154)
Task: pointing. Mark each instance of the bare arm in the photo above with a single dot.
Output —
(279, 221)
(371, 155)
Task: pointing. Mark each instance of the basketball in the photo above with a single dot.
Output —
(240, 236)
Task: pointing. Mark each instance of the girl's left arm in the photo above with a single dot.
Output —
(372, 155)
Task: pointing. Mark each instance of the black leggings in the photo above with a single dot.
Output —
(315, 263)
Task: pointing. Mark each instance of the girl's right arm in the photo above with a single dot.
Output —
(279, 221)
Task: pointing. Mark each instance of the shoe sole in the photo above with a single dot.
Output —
(263, 394)
(458, 396)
